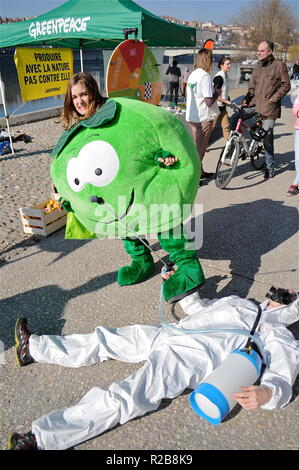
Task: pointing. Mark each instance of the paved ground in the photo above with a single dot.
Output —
(250, 242)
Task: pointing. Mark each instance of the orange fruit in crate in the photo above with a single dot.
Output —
(51, 205)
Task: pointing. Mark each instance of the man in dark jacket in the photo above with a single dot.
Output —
(268, 84)
(174, 77)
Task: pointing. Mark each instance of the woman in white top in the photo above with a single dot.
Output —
(201, 106)
(224, 65)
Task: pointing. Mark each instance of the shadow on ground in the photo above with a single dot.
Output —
(242, 234)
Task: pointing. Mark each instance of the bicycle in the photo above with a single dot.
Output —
(238, 147)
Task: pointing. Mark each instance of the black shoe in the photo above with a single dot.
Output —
(206, 174)
(22, 335)
(269, 173)
(243, 154)
(22, 441)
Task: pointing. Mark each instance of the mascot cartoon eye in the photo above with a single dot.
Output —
(97, 163)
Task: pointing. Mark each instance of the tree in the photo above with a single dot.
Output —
(272, 20)
(236, 39)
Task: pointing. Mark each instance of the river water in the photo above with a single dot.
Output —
(94, 64)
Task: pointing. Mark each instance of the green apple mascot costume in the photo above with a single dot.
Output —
(106, 167)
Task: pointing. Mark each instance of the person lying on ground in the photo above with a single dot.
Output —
(174, 361)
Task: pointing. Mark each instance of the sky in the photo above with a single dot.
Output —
(218, 11)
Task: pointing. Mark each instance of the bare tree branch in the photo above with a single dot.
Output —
(272, 20)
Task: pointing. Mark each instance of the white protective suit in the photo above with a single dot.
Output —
(174, 361)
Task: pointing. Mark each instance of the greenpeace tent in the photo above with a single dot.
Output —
(93, 24)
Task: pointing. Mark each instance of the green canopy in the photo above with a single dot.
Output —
(93, 24)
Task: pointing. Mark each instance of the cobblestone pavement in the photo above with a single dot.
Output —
(25, 181)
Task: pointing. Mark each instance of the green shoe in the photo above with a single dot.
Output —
(187, 279)
(142, 268)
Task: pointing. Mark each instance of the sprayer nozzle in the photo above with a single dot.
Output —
(98, 200)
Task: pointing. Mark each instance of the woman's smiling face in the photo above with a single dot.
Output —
(226, 66)
(80, 98)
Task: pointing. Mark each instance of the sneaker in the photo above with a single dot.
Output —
(206, 174)
(22, 441)
(269, 173)
(293, 190)
(22, 335)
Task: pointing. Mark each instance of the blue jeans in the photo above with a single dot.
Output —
(268, 125)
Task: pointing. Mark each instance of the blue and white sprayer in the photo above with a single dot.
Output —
(213, 398)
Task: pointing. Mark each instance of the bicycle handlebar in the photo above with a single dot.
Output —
(241, 109)
(234, 106)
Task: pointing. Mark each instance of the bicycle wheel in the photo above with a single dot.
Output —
(226, 168)
(258, 157)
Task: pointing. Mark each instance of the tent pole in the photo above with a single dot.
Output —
(81, 56)
(10, 139)
(6, 116)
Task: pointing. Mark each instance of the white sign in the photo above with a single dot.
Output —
(58, 26)
(2, 92)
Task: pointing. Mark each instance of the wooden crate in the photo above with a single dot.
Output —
(35, 220)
